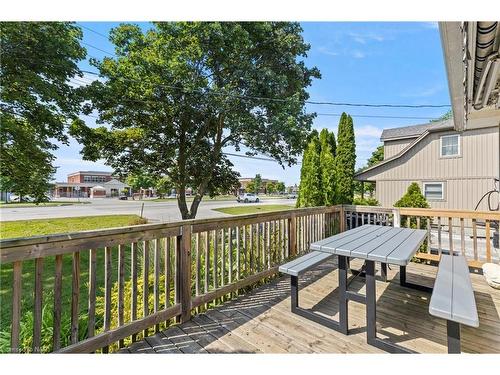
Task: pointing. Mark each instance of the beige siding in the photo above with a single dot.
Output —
(466, 177)
(391, 148)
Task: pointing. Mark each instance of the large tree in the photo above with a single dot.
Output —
(179, 93)
(36, 100)
(327, 166)
(345, 160)
(310, 189)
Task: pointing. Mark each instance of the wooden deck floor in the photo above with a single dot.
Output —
(261, 321)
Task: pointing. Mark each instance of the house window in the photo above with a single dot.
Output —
(433, 190)
(450, 145)
(86, 179)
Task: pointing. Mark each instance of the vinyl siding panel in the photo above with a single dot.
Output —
(391, 148)
(467, 177)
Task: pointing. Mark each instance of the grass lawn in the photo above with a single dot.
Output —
(44, 204)
(244, 209)
(27, 228)
(49, 226)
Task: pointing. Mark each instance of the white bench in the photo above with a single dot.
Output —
(453, 298)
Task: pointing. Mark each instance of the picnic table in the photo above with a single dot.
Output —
(372, 243)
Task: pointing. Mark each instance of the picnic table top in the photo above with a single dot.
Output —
(374, 242)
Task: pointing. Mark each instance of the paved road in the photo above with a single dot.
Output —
(154, 211)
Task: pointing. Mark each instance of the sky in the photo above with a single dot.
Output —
(370, 62)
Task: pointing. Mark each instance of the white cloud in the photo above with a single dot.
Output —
(366, 37)
(77, 162)
(327, 51)
(368, 131)
(358, 54)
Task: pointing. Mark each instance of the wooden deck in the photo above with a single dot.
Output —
(261, 321)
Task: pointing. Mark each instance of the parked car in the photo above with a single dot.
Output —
(248, 197)
(16, 198)
(123, 197)
(291, 196)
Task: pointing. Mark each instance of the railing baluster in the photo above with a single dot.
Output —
(108, 284)
(230, 255)
(251, 249)
(223, 257)
(429, 242)
(121, 288)
(266, 253)
(418, 222)
(37, 307)
(56, 336)
(17, 287)
(450, 234)
(198, 265)
(474, 238)
(168, 270)
(216, 246)
(75, 297)
(156, 282)
(462, 236)
(133, 289)
(207, 261)
(258, 240)
(92, 292)
(440, 249)
(238, 260)
(245, 249)
(488, 241)
(145, 281)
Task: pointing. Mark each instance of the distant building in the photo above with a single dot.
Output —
(244, 181)
(90, 184)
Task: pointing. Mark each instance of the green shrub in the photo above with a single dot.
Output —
(365, 202)
(138, 221)
(413, 198)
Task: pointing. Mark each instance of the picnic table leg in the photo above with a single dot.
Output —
(371, 300)
(294, 292)
(453, 334)
(343, 301)
(383, 268)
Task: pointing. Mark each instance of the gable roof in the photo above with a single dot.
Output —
(414, 131)
(423, 131)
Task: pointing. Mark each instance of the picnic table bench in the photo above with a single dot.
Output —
(452, 295)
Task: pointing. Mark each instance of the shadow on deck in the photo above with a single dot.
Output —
(261, 321)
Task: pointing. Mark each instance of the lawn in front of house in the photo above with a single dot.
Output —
(25, 228)
(38, 227)
(253, 209)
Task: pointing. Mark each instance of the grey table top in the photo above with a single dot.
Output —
(374, 242)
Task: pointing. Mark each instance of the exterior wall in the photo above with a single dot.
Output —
(467, 176)
(391, 148)
(80, 177)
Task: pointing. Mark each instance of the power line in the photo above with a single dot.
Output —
(92, 30)
(379, 116)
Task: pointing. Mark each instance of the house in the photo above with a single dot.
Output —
(456, 162)
(454, 169)
(80, 184)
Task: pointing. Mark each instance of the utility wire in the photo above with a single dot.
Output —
(92, 30)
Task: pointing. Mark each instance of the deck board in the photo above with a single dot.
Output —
(261, 321)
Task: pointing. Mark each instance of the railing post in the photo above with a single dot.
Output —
(342, 218)
(396, 218)
(183, 273)
(292, 235)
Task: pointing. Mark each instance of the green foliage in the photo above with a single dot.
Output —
(369, 187)
(413, 198)
(345, 160)
(310, 191)
(164, 186)
(179, 93)
(365, 202)
(38, 59)
(256, 184)
(271, 187)
(327, 167)
(141, 180)
(445, 116)
(280, 187)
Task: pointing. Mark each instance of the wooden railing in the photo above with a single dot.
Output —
(100, 290)
(469, 233)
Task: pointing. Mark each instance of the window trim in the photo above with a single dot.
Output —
(434, 183)
(459, 149)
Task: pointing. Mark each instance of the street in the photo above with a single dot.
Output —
(153, 211)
